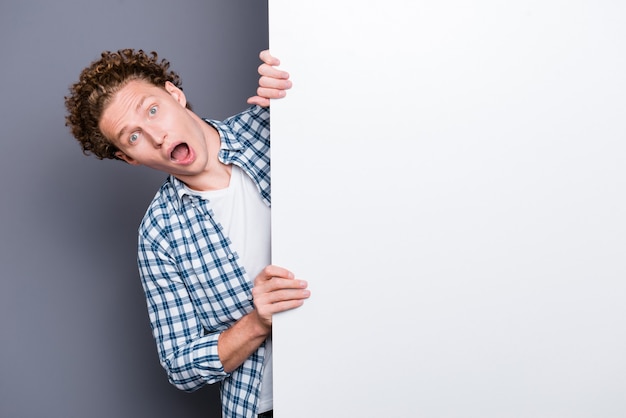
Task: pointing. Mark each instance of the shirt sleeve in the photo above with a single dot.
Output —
(186, 351)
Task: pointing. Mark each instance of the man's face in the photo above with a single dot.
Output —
(151, 126)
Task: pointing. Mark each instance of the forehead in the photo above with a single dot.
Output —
(124, 104)
(132, 90)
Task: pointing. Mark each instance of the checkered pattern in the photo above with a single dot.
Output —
(195, 287)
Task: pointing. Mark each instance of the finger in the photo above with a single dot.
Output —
(267, 58)
(272, 271)
(272, 302)
(285, 306)
(285, 295)
(273, 72)
(267, 294)
(260, 101)
(266, 312)
(276, 284)
(277, 288)
(264, 96)
(274, 289)
(274, 83)
(270, 93)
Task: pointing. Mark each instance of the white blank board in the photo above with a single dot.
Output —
(450, 178)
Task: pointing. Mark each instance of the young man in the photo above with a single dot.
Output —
(204, 242)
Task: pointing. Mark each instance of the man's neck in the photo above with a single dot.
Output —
(215, 179)
(216, 175)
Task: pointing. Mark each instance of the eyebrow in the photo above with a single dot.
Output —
(119, 134)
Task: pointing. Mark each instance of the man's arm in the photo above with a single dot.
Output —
(273, 82)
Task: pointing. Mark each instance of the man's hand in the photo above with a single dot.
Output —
(273, 82)
(276, 290)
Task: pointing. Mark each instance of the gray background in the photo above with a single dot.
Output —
(75, 334)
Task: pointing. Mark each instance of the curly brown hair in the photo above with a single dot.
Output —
(96, 87)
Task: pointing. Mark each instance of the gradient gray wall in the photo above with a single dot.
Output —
(75, 334)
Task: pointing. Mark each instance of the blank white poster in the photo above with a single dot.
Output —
(450, 177)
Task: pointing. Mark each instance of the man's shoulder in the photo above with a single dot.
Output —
(252, 112)
(163, 205)
(254, 120)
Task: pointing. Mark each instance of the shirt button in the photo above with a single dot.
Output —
(231, 256)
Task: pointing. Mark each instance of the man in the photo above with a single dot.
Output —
(204, 242)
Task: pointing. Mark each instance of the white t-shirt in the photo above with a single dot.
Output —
(246, 221)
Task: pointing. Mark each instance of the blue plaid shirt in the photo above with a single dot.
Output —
(194, 285)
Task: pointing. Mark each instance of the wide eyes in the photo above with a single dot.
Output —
(152, 111)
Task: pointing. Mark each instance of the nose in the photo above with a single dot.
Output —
(156, 135)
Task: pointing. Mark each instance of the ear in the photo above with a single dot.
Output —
(124, 157)
(176, 93)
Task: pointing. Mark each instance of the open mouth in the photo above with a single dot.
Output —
(180, 153)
